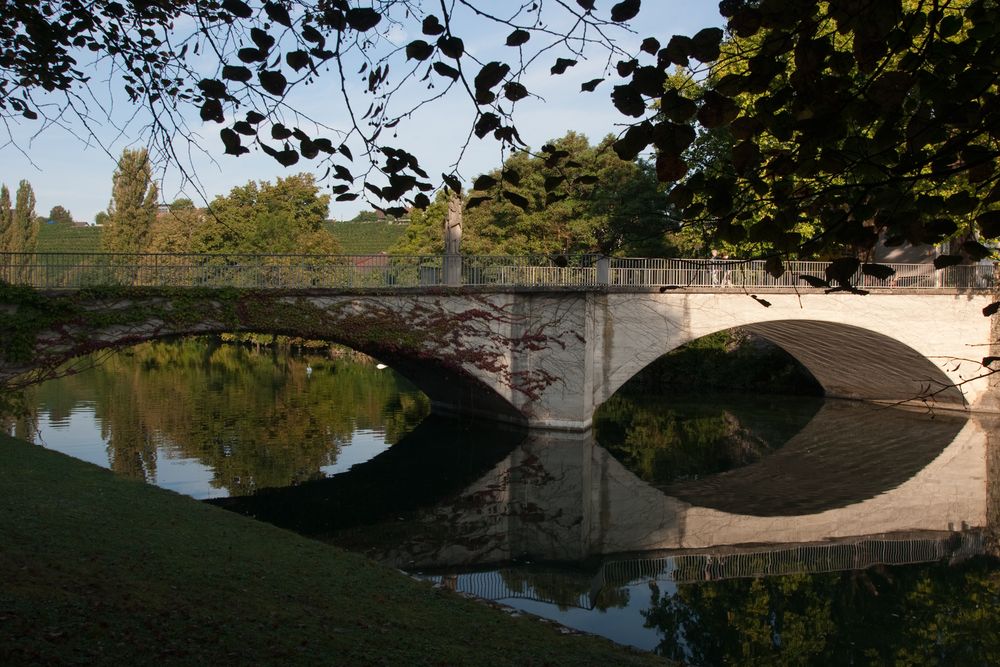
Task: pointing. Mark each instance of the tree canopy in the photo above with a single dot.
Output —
(133, 204)
(592, 202)
(851, 115)
(282, 217)
(60, 215)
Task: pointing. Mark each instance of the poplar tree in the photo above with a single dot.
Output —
(6, 219)
(24, 227)
(133, 204)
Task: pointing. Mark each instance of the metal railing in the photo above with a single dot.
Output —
(497, 585)
(798, 559)
(79, 270)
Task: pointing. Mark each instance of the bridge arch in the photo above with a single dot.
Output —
(854, 347)
(847, 361)
(452, 352)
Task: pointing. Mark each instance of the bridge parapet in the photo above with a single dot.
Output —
(82, 270)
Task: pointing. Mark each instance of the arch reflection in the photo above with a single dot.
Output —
(560, 497)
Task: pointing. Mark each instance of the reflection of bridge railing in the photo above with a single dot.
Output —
(701, 567)
(807, 558)
(77, 270)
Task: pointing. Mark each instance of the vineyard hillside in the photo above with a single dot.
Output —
(365, 238)
(64, 238)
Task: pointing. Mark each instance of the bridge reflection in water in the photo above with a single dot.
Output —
(502, 584)
(856, 486)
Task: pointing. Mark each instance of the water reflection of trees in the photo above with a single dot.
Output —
(564, 588)
(257, 419)
(929, 614)
(676, 438)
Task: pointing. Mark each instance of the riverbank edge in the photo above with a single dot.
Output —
(100, 569)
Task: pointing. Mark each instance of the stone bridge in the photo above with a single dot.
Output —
(543, 356)
(853, 473)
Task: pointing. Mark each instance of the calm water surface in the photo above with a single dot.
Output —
(711, 529)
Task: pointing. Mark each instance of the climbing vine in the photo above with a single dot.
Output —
(42, 333)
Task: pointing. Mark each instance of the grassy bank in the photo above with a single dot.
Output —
(102, 570)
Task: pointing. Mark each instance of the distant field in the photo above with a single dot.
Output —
(356, 238)
(60, 238)
(365, 238)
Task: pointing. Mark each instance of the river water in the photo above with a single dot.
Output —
(710, 529)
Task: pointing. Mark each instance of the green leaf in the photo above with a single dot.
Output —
(491, 74)
(774, 266)
(517, 200)
(231, 141)
(363, 18)
(418, 49)
(976, 251)
(705, 44)
(989, 224)
(650, 45)
(628, 101)
(451, 46)
(237, 8)
(278, 14)
(446, 70)
(518, 37)
(514, 91)
(562, 64)
(475, 202)
(625, 10)
(878, 271)
(297, 59)
(484, 182)
(432, 25)
(717, 110)
(813, 281)
(453, 183)
(236, 73)
(273, 82)
(944, 261)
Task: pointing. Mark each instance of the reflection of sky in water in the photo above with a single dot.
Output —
(364, 445)
(79, 435)
(623, 624)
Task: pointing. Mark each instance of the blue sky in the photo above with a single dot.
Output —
(65, 170)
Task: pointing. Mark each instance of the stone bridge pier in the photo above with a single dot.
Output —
(920, 349)
(548, 358)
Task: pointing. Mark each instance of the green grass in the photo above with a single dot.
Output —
(62, 238)
(103, 570)
(365, 238)
(356, 238)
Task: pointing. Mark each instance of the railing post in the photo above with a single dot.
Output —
(453, 270)
(603, 270)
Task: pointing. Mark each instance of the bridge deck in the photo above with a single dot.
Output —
(381, 272)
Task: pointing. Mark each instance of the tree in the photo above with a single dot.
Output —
(846, 126)
(366, 216)
(284, 217)
(133, 204)
(60, 215)
(847, 113)
(425, 233)
(24, 229)
(569, 198)
(6, 219)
